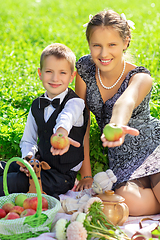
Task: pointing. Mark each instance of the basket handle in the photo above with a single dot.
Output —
(29, 167)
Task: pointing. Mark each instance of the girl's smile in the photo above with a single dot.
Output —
(105, 62)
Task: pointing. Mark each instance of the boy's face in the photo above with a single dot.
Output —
(55, 75)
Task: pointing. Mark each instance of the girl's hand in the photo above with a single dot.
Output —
(72, 142)
(126, 130)
(84, 184)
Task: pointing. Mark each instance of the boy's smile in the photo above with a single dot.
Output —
(55, 75)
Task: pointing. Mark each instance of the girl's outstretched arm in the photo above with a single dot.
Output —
(139, 86)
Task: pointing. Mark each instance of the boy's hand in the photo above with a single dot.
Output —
(126, 130)
(55, 151)
(24, 169)
(64, 132)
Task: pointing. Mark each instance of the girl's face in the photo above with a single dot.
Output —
(106, 47)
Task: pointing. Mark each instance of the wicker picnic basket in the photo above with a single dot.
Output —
(31, 226)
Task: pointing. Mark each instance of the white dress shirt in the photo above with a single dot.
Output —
(71, 115)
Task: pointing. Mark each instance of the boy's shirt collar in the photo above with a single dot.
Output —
(61, 96)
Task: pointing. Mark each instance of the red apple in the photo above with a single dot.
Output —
(7, 206)
(59, 141)
(19, 199)
(26, 203)
(44, 209)
(27, 212)
(112, 132)
(12, 215)
(17, 209)
(33, 203)
(44, 203)
(2, 213)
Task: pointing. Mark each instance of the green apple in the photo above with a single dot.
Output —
(112, 132)
(59, 141)
(19, 199)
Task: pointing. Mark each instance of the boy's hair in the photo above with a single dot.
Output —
(109, 19)
(59, 51)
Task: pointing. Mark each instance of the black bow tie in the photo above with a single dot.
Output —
(44, 102)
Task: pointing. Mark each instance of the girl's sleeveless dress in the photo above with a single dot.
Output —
(138, 156)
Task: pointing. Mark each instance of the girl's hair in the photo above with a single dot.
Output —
(60, 51)
(109, 19)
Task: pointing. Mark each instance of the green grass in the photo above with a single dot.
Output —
(27, 27)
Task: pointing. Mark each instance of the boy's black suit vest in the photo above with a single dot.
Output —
(45, 129)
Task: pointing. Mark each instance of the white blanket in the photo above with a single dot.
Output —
(130, 227)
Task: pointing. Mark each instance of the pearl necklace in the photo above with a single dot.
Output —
(99, 77)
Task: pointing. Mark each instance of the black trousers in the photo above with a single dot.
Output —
(53, 182)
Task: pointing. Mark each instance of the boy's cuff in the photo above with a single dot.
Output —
(67, 128)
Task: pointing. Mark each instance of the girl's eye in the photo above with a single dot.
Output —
(63, 72)
(48, 71)
(96, 45)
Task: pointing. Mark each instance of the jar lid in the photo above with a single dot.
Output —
(110, 196)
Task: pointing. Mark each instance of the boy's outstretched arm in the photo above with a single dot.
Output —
(71, 115)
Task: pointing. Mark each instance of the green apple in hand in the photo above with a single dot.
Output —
(112, 132)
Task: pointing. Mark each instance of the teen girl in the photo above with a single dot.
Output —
(118, 92)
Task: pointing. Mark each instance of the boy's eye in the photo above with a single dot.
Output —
(63, 72)
(112, 44)
(96, 45)
(48, 71)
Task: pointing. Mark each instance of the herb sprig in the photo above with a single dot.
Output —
(99, 227)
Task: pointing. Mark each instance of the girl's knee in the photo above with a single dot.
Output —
(131, 199)
(139, 201)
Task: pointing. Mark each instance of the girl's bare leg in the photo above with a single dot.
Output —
(155, 184)
(140, 200)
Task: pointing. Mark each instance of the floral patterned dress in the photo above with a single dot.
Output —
(138, 156)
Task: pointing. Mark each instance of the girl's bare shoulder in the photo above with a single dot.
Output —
(130, 66)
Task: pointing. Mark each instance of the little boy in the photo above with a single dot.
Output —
(58, 110)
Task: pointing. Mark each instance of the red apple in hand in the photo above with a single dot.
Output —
(112, 132)
(59, 141)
